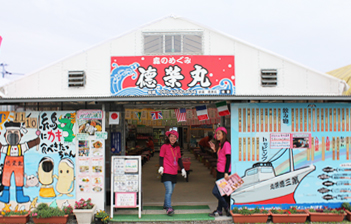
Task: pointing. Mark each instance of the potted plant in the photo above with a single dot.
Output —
(8, 216)
(84, 211)
(45, 214)
(245, 215)
(101, 217)
(291, 215)
(68, 210)
(326, 214)
(347, 208)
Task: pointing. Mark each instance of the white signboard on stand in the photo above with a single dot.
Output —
(126, 182)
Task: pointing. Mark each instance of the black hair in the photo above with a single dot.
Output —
(168, 142)
(225, 139)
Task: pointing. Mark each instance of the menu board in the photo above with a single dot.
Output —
(126, 176)
(126, 181)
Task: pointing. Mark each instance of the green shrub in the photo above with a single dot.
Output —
(328, 210)
(346, 206)
(44, 211)
(103, 216)
(67, 209)
(246, 211)
(10, 213)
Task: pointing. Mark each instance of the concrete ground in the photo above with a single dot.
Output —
(198, 191)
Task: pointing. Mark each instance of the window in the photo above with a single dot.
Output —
(266, 170)
(76, 78)
(173, 43)
(269, 77)
(251, 172)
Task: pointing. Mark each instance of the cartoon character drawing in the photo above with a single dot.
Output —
(31, 180)
(67, 123)
(65, 178)
(14, 160)
(45, 170)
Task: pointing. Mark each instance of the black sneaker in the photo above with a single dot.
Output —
(227, 212)
(215, 213)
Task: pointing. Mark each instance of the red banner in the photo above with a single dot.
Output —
(172, 75)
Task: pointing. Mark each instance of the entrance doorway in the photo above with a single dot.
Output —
(198, 189)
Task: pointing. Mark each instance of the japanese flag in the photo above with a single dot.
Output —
(114, 118)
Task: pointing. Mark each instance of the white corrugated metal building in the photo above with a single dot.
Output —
(83, 80)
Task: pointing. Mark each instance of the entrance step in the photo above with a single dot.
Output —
(178, 207)
(183, 213)
(156, 210)
(162, 218)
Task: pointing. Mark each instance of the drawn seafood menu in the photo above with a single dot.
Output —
(90, 152)
(300, 150)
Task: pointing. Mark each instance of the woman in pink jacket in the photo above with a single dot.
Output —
(170, 158)
(223, 150)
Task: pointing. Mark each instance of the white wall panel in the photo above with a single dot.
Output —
(246, 70)
(217, 44)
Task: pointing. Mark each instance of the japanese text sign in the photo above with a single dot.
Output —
(172, 75)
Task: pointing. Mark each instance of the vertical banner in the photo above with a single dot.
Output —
(292, 119)
(244, 120)
(253, 120)
(116, 142)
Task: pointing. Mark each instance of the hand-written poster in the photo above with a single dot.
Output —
(125, 200)
(35, 148)
(126, 176)
(280, 140)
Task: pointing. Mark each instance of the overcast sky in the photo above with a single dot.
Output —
(36, 33)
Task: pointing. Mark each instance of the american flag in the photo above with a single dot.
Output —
(180, 114)
(156, 115)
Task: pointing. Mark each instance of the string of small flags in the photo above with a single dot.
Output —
(199, 115)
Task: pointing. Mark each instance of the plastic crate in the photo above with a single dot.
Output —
(186, 165)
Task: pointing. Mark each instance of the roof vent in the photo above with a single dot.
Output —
(172, 43)
(76, 78)
(269, 77)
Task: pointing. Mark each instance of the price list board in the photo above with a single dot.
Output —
(126, 182)
(297, 154)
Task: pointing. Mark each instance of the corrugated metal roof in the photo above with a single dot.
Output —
(343, 73)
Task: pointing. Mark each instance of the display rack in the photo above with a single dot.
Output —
(126, 183)
(159, 137)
